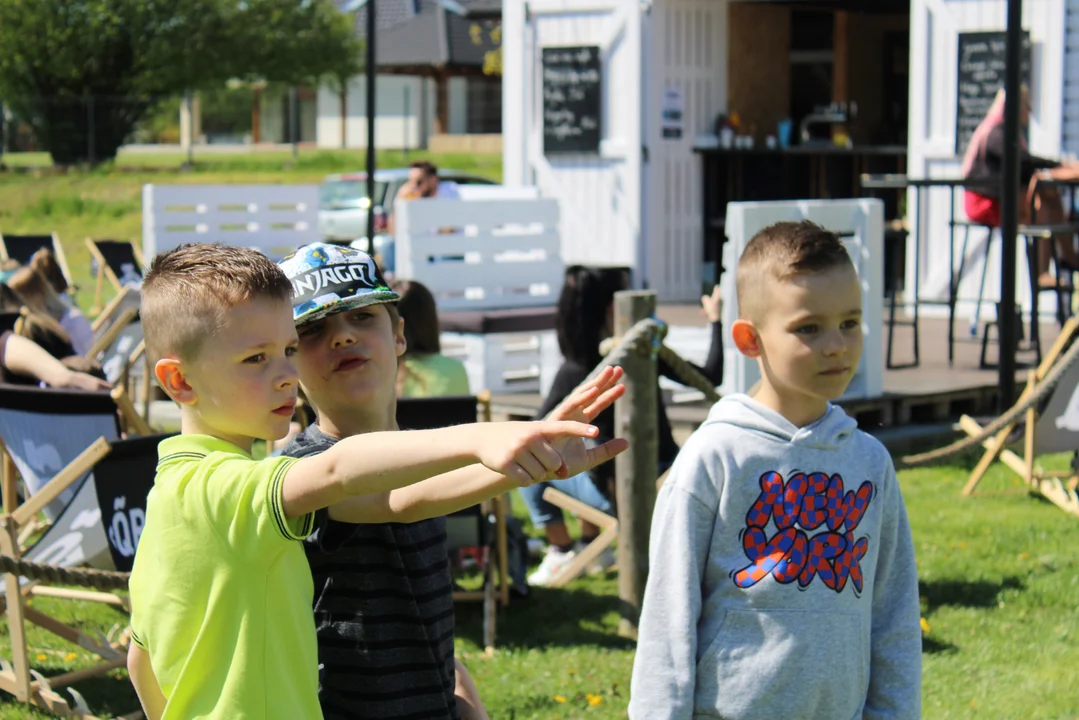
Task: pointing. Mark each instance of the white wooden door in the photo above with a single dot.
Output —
(599, 195)
(935, 29)
(686, 52)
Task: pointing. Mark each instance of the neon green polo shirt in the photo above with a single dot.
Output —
(221, 590)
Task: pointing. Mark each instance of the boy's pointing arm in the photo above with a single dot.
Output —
(383, 461)
(453, 491)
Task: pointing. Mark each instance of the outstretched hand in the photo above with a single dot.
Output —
(584, 405)
(526, 452)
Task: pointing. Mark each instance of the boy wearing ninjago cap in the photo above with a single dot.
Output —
(383, 592)
(221, 591)
(782, 581)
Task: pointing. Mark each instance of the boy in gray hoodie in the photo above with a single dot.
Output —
(782, 579)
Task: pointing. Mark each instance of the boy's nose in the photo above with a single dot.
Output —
(834, 343)
(288, 375)
(343, 337)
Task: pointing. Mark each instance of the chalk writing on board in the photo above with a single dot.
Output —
(572, 99)
(982, 66)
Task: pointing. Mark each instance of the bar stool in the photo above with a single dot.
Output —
(1063, 284)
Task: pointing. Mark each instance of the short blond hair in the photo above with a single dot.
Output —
(188, 291)
(781, 252)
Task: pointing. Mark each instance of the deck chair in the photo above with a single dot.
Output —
(119, 261)
(42, 430)
(124, 301)
(118, 332)
(1053, 428)
(100, 528)
(121, 355)
(21, 248)
(469, 527)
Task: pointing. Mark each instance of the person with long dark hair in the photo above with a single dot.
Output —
(423, 371)
(585, 319)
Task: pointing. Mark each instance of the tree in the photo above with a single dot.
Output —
(83, 73)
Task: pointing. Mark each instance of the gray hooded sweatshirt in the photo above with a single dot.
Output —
(782, 581)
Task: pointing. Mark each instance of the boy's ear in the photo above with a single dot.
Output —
(399, 337)
(170, 375)
(746, 338)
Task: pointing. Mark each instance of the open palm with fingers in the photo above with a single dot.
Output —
(583, 405)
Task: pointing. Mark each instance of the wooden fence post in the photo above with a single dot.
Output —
(635, 469)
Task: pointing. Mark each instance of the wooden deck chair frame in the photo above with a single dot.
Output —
(105, 271)
(15, 321)
(108, 313)
(57, 249)
(1061, 492)
(108, 337)
(145, 391)
(16, 677)
(607, 523)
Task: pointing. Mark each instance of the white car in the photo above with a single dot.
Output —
(343, 201)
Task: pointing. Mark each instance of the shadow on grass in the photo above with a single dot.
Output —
(549, 617)
(963, 593)
(936, 647)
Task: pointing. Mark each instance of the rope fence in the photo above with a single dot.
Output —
(84, 577)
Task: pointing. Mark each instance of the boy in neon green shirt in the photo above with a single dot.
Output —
(221, 591)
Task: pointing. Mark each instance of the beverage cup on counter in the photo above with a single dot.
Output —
(771, 142)
(784, 132)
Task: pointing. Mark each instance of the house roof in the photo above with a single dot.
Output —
(414, 33)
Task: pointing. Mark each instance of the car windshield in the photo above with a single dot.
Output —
(339, 194)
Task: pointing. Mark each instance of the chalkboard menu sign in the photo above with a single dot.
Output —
(572, 100)
(982, 62)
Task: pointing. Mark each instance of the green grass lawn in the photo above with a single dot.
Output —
(1000, 593)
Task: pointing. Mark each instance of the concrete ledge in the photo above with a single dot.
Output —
(465, 144)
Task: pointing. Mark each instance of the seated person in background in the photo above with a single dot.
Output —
(24, 362)
(44, 261)
(39, 327)
(984, 161)
(40, 296)
(47, 334)
(423, 371)
(585, 318)
(423, 182)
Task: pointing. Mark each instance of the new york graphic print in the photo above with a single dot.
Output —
(804, 529)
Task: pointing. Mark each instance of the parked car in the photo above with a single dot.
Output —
(343, 201)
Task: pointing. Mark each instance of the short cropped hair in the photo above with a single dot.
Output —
(783, 251)
(188, 291)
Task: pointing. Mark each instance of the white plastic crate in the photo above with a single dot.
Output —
(861, 225)
(500, 362)
(481, 254)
